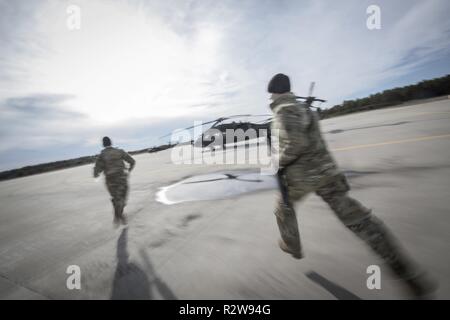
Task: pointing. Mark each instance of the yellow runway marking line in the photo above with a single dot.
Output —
(391, 142)
(412, 108)
(429, 112)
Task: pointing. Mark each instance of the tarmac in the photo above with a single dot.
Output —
(220, 243)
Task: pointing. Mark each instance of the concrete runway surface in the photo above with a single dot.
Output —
(398, 163)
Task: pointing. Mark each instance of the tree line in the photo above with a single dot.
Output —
(422, 90)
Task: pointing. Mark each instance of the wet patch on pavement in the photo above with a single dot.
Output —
(225, 185)
(215, 186)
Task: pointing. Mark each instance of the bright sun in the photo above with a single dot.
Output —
(123, 64)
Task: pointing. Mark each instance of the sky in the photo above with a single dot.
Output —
(136, 69)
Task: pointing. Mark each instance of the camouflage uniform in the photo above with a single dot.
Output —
(111, 163)
(308, 167)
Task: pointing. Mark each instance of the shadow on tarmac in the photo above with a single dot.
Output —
(131, 282)
(339, 292)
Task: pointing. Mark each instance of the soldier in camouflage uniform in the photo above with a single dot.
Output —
(111, 163)
(306, 166)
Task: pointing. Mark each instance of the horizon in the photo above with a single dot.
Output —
(135, 70)
(142, 150)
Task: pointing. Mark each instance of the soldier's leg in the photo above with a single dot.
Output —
(378, 237)
(288, 225)
(122, 193)
(114, 190)
(117, 210)
(359, 219)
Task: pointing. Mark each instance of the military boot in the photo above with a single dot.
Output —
(121, 216)
(297, 254)
(117, 215)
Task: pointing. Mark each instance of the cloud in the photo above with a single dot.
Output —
(41, 107)
(37, 120)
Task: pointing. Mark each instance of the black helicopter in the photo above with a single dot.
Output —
(215, 137)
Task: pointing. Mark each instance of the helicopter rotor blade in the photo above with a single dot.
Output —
(203, 123)
(191, 127)
(261, 115)
(264, 120)
(218, 120)
(237, 116)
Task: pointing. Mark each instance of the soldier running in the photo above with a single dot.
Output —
(111, 163)
(306, 166)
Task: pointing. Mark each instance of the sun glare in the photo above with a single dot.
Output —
(124, 63)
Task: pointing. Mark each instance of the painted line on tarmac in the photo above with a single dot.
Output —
(391, 142)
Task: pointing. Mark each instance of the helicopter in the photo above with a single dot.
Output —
(210, 139)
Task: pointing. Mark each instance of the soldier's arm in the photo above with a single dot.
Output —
(292, 135)
(99, 166)
(126, 157)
